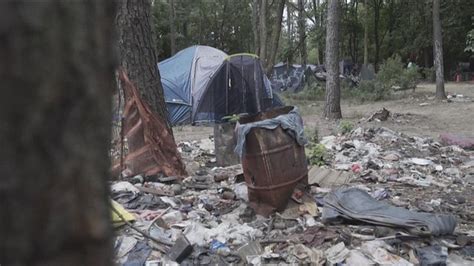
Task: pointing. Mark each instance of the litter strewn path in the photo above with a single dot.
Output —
(416, 192)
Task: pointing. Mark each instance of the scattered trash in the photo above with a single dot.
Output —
(389, 192)
(326, 177)
(432, 255)
(461, 141)
(381, 115)
(180, 250)
(336, 254)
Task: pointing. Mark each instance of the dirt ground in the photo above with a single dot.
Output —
(416, 113)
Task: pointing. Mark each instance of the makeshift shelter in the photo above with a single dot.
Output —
(185, 77)
(202, 84)
(238, 86)
(288, 77)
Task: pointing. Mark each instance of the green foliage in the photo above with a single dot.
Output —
(394, 75)
(223, 24)
(345, 127)
(317, 154)
(231, 118)
(312, 91)
(428, 74)
(470, 41)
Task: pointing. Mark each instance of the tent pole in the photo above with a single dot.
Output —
(243, 84)
(227, 88)
(257, 85)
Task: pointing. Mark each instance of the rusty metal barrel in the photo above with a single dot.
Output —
(273, 163)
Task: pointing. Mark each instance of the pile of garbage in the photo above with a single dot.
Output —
(382, 198)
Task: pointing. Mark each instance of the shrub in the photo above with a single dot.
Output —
(317, 154)
(345, 127)
(393, 74)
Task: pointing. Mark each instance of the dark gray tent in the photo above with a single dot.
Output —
(238, 86)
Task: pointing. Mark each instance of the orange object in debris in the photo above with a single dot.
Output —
(152, 149)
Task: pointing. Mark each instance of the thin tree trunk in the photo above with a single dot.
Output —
(138, 53)
(438, 51)
(316, 24)
(366, 34)
(255, 26)
(302, 33)
(57, 76)
(172, 28)
(289, 60)
(332, 109)
(377, 6)
(263, 31)
(275, 37)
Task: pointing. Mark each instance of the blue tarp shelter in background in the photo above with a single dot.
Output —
(202, 85)
(185, 77)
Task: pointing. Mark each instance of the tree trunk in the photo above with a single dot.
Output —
(255, 26)
(172, 28)
(58, 76)
(317, 23)
(263, 31)
(366, 34)
(377, 6)
(275, 37)
(332, 109)
(138, 53)
(302, 33)
(289, 60)
(438, 52)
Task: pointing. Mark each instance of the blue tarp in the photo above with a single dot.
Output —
(175, 78)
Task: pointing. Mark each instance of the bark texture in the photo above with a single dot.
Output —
(255, 26)
(332, 109)
(137, 52)
(172, 28)
(57, 72)
(438, 52)
(302, 33)
(275, 37)
(289, 60)
(377, 7)
(263, 31)
(366, 33)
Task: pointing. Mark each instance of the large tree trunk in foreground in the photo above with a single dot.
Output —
(58, 76)
(138, 52)
(332, 109)
(438, 52)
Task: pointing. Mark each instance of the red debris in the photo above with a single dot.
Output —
(152, 149)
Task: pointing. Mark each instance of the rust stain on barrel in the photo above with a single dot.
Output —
(273, 163)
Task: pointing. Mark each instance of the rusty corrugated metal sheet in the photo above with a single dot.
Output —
(152, 149)
(273, 164)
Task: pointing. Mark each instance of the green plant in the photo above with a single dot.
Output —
(428, 74)
(231, 118)
(345, 127)
(394, 75)
(317, 154)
